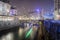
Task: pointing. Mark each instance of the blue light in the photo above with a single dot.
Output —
(37, 10)
(48, 15)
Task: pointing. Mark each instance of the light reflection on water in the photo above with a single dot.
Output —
(8, 36)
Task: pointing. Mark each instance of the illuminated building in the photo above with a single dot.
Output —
(7, 22)
(4, 7)
(57, 9)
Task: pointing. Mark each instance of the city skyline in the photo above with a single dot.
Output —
(24, 6)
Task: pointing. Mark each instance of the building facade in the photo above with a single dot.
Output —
(4, 8)
(57, 9)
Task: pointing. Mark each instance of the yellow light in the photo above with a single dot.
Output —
(6, 19)
(40, 22)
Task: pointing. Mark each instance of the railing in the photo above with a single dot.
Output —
(53, 28)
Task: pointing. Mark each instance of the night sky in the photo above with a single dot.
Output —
(24, 6)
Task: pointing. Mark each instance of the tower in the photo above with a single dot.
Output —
(57, 9)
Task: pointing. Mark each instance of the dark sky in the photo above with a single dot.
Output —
(24, 6)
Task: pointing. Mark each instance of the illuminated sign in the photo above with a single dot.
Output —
(13, 12)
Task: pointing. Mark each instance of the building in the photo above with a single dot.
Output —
(57, 9)
(8, 24)
(6, 1)
(4, 7)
